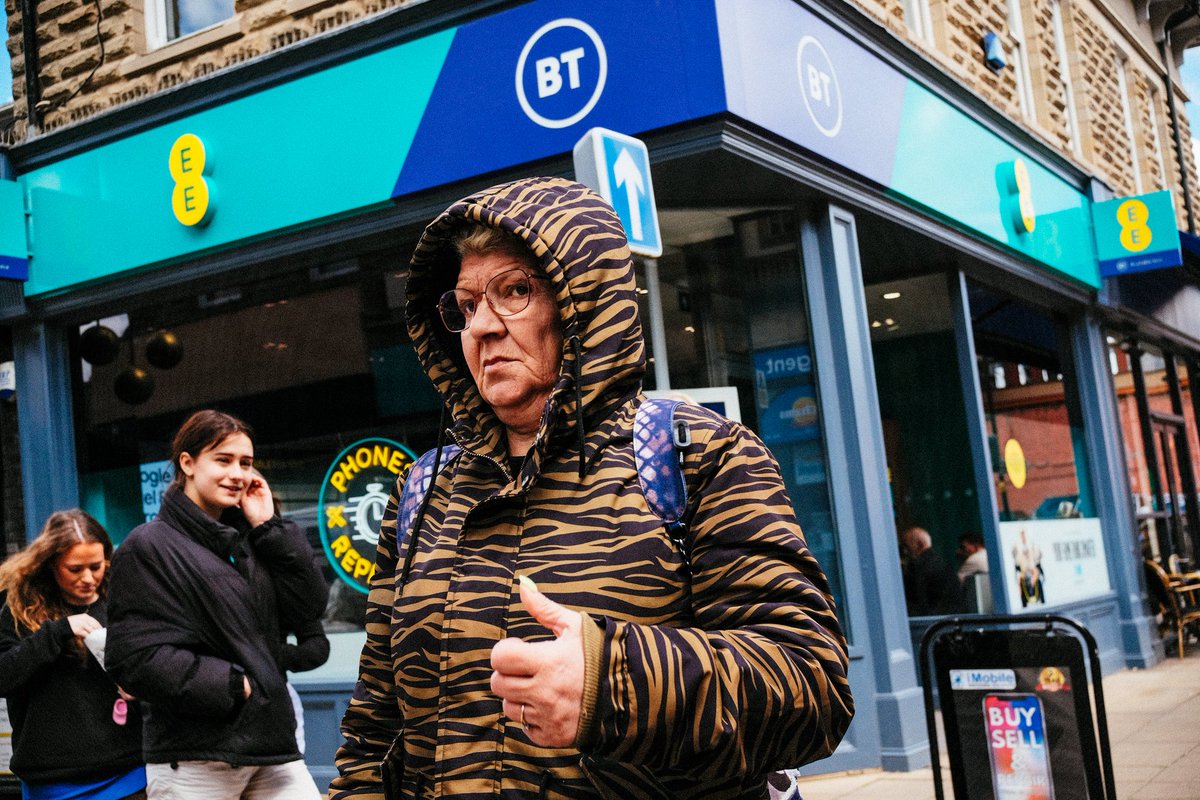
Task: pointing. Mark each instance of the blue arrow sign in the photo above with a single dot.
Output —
(618, 168)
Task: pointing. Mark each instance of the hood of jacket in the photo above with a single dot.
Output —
(580, 244)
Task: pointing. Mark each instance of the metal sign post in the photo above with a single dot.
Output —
(1022, 707)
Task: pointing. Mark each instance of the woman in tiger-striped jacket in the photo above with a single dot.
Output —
(623, 674)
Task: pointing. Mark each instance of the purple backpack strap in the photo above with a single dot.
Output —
(658, 442)
(420, 476)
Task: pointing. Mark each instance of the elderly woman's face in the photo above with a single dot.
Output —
(514, 359)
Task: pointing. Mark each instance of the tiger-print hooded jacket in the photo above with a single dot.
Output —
(697, 683)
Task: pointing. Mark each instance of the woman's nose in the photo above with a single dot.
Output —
(486, 320)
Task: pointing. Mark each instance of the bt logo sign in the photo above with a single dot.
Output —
(561, 73)
(819, 86)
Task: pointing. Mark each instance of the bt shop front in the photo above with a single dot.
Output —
(850, 274)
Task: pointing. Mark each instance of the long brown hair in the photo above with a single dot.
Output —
(28, 576)
(203, 430)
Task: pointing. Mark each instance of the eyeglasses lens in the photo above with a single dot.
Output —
(507, 293)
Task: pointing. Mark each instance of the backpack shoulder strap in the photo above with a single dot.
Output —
(658, 442)
(416, 485)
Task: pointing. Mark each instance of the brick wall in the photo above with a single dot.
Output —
(1099, 105)
(958, 30)
(70, 50)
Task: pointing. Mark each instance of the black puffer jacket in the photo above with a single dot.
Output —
(61, 705)
(192, 608)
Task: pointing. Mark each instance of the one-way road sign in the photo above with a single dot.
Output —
(618, 168)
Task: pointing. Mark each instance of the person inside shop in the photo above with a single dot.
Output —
(74, 732)
(972, 556)
(195, 625)
(931, 585)
(537, 633)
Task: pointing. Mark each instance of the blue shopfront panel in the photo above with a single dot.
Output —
(521, 86)
(789, 71)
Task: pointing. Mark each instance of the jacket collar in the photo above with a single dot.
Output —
(185, 516)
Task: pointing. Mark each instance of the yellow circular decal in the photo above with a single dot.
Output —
(190, 200)
(1132, 216)
(1014, 463)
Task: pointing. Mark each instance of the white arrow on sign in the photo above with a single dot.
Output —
(626, 171)
(611, 162)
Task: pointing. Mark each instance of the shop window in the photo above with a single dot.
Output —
(315, 358)
(926, 442)
(735, 327)
(1162, 471)
(168, 20)
(1049, 537)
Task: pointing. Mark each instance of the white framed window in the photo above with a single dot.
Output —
(1127, 114)
(168, 20)
(1060, 47)
(1021, 74)
(918, 19)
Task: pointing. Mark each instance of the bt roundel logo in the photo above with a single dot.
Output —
(561, 73)
(819, 86)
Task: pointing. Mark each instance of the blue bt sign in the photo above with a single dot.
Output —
(561, 73)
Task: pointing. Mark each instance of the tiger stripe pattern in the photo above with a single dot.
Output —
(698, 684)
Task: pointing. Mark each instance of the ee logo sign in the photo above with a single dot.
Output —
(819, 86)
(190, 200)
(1016, 193)
(1132, 216)
(561, 73)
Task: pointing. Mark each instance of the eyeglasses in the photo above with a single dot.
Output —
(507, 293)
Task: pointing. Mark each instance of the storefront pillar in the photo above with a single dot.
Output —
(892, 719)
(977, 434)
(1139, 643)
(49, 475)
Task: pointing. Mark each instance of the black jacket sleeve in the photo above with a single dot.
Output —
(300, 590)
(310, 651)
(23, 658)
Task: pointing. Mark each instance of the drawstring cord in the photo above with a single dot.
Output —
(576, 372)
(412, 536)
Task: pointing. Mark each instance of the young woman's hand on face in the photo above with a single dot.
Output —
(257, 503)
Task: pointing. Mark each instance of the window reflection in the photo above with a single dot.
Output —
(736, 325)
(1050, 540)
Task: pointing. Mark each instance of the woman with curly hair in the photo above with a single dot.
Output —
(74, 735)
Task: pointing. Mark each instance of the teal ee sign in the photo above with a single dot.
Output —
(617, 167)
(1135, 234)
(14, 247)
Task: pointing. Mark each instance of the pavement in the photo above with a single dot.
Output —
(1153, 728)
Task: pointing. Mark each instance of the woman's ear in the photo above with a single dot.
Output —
(187, 464)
